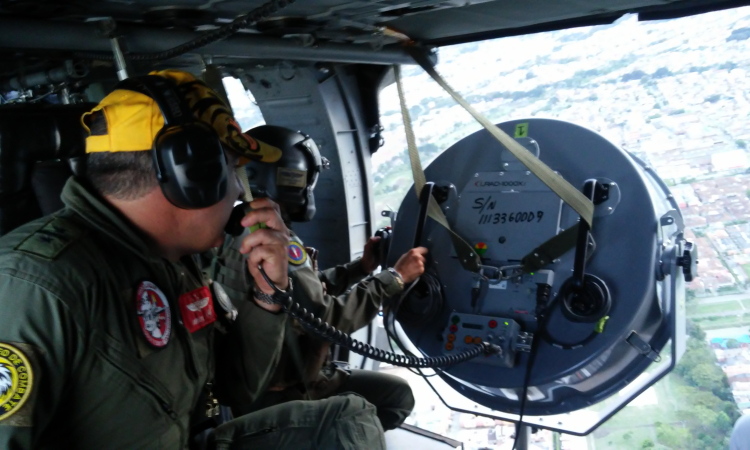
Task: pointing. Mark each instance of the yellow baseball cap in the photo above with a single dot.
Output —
(134, 119)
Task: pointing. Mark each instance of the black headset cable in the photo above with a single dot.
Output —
(331, 334)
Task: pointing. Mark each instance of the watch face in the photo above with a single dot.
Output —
(224, 301)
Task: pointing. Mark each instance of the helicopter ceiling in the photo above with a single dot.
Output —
(430, 22)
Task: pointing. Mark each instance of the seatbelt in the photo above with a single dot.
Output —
(558, 244)
(466, 255)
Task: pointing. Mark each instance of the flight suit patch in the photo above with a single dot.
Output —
(154, 314)
(16, 380)
(296, 254)
(51, 239)
(197, 309)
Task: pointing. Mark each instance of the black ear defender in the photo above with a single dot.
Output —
(188, 155)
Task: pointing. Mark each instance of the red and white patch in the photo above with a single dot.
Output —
(154, 314)
(197, 309)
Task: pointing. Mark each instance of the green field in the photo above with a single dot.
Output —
(712, 323)
(713, 308)
(634, 424)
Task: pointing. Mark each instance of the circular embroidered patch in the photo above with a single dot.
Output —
(296, 253)
(16, 380)
(154, 314)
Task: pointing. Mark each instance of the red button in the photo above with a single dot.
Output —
(493, 323)
(453, 328)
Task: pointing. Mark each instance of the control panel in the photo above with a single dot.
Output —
(465, 331)
(516, 298)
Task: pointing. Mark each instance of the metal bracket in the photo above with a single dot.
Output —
(107, 28)
(523, 344)
(391, 215)
(424, 200)
(601, 193)
(673, 217)
(642, 347)
(590, 188)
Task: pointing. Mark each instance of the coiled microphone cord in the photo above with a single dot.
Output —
(331, 334)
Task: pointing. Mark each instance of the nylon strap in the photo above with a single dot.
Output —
(468, 258)
(247, 194)
(557, 245)
(550, 250)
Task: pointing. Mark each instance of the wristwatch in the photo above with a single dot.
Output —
(277, 298)
(397, 276)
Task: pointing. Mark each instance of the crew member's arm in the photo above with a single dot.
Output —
(340, 278)
(361, 304)
(40, 342)
(247, 356)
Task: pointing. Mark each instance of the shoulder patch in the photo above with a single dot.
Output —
(16, 380)
(51, 239)
(297, 254)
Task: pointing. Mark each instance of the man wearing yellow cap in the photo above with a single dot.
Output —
(109, 331)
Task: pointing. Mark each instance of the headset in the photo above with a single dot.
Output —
(187, 153)
(291, 180)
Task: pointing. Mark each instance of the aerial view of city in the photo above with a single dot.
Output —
(674, 93)
(677, 95)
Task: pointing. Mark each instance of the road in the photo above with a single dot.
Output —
(721, 299)
(720, 314)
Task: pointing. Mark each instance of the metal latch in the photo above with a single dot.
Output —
(643, 347)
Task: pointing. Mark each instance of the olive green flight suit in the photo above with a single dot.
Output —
(343, 296)
(96, 349)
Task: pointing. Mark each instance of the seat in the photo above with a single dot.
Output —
(41, 145)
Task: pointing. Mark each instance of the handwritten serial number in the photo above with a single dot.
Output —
(516, 217)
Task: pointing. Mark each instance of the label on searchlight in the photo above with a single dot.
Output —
(512, 212)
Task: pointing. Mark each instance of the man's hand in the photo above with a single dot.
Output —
(370, 260)
(411, 264)
(266, 247)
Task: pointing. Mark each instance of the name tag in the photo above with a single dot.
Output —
(197, 308)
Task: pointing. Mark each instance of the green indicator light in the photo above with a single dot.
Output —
(455, 319)
(532, 273)
(506, 324)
